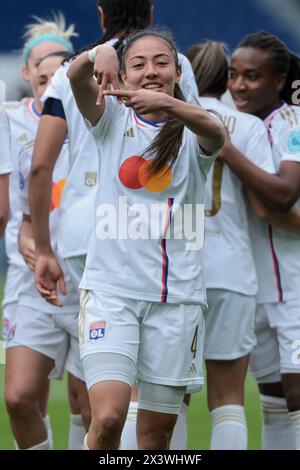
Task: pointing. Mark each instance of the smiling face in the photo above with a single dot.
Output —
(253, 81)
(150, 64)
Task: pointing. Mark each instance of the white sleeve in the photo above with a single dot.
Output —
(187, 82)
(290, 146)
(24, 161)
(258, 147)
(5, 157)
(57, 84)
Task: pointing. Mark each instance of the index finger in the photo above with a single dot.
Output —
(119, 92)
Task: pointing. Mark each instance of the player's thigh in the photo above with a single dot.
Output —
(26, 372)
(171, 345)
(229, 325)
(265, 358)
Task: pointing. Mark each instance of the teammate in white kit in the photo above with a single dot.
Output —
(143, 289)
(261, 81)
(5, 170)
(43, 37)
(229, 265)
(61, 117)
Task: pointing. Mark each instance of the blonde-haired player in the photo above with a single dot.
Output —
(41, 38)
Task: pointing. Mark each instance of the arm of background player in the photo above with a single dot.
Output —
(26, 242)
(289, 221)
(4, 202)
(50, 138)
(277, 191)
(51, 135)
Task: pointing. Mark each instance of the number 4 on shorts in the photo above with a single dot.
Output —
(194, 342)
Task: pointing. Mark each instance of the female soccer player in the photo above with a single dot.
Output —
(60, 117)
(42, 38)
(229, 321)
(262, 82)
(143, 287)
(5, 170)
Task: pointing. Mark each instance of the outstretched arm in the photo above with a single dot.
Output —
(210, 133)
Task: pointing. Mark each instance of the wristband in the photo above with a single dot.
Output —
(92, 54)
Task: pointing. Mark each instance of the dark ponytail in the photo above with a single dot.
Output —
(284, 61)
(124, 16)
(166, 145)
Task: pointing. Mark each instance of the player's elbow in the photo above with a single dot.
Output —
(286, 200)
(39, 172)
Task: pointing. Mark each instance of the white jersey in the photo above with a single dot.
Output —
(23, 121)
(139, 247)
(28, 294)
(228, 257)
(76, 218)
(187, 80)
(5, 158)
(276, 251)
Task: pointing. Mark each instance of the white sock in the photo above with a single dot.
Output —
(128, 438)
(295, 419)
(179, 437)
(85, 446)
(229, 428)
(76, 433)
(47, 423)
(277, 429)
(42, 446)
(49, 430)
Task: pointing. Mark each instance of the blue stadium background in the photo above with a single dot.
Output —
(190, 20)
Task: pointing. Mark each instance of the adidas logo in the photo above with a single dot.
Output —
(23, 138)
(129, 133)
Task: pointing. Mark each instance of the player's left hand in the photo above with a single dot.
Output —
(49, 276)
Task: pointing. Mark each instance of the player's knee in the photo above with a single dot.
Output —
(19, 402)
(108, 423)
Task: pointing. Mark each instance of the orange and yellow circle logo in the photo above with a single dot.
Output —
(134, 174)
(57, 192)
